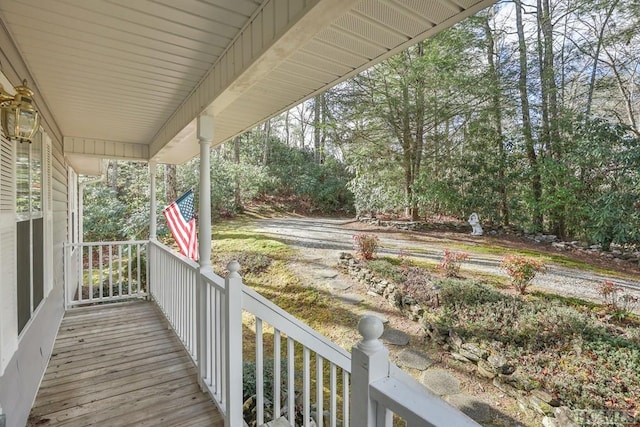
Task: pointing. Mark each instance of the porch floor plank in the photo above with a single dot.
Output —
(117, 365)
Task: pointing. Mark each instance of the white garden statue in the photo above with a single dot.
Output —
(474, 221)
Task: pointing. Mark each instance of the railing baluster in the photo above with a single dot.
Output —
(319, 391)
(100, 272)
(291, 391)
(345, 399)
(129, 264)
(80, 274)
(218, 339)
(259, 373)
(90, 272)
(110, 271)
(276, 374)
(333, 395)
(306, 385)
(120, 270)
(139, 260)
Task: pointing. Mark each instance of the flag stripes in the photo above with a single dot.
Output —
(181, 221)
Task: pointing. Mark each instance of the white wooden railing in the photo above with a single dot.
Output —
(105, 272)
(174, 283)
(215, 318)
(300, 344)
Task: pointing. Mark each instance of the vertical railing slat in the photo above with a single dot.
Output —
(276, 374)
(259, 373)
(100, 272)
(110, 271)
(291, 391)
(333, 395)
(120, 270)
(345, 399)
(139, 265)
(306, 386)
(129, 269)
(319, 391)
(90, 277)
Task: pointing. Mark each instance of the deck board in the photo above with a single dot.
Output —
(119, 365)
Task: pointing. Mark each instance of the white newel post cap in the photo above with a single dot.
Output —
(371, 329)
(233, 267)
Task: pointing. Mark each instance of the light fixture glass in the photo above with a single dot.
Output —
(18, 114)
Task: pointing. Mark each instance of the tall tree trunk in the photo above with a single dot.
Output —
(550, 100)
(114, 176)
(496, 110)
(170, 179)
(527, 133)
(237, 195)
(317, 127)
(626, 94)
(265, 146)
(596, 56)
(549, 80)
(287, 131)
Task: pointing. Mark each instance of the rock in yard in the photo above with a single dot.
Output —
(539, 406)
(485, 370)
(475, 350)
(441, 382)
(459, 357)
(394, 337)
(475, 408)
(413, 359)
(455, 340)
(546, 397)
(499, 363)
(519, 380)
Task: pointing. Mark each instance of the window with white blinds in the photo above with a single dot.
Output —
(8, 308)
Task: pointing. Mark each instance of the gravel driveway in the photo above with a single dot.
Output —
(322, 240)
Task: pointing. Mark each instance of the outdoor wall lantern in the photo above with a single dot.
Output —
(18, 115)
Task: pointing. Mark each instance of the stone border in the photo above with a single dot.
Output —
(489, 363)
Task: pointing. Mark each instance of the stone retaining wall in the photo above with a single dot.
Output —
(489, 363)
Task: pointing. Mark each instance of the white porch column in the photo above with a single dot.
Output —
(153, 221)
(205, 137)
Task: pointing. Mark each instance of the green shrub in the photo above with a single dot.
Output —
(387, 270)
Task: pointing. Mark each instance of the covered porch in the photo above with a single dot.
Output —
(119, 364)
(145, 323)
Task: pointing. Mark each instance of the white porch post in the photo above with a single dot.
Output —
(369, 362)
(205, 137)
(232, 364)
(153, 221)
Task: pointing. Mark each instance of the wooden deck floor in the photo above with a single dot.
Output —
(117, 365)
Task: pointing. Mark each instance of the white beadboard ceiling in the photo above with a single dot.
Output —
(111, 75)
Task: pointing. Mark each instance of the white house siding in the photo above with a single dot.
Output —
(22, 374)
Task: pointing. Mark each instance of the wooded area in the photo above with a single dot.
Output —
(525, 113)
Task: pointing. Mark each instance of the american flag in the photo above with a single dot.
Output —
(182, 223)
